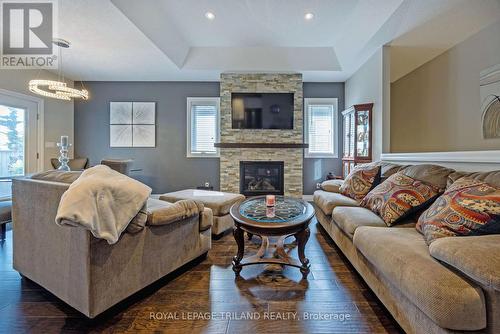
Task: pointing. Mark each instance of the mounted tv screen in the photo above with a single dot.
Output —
(262, 110)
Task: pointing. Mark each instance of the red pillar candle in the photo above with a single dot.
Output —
(270, 200)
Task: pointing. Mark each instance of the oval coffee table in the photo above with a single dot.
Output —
(289, 217)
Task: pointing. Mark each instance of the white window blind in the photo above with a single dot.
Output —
(321, 127)
(203, 127)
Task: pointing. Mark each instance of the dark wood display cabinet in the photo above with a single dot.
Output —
(357, 130)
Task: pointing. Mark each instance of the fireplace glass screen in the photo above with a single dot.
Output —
(261, 178)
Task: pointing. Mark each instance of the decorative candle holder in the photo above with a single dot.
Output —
(270, 200)
(63, 157)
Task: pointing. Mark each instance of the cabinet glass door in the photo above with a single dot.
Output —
(352, 134)
(363, 134)
(347, 134)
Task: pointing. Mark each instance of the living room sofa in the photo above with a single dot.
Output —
(88, 273)
(451, 286)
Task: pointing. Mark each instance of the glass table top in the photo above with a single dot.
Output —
(285, 210)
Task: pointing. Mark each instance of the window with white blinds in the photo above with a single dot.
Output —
(203, 126)
(320, 127)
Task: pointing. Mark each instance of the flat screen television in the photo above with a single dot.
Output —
(262, 110)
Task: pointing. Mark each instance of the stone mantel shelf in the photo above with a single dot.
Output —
(261, 145)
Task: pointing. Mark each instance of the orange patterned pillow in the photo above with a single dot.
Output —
(468, 207)
(398, 197)
(360, 181)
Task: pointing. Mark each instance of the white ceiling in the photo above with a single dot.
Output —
(121, 40)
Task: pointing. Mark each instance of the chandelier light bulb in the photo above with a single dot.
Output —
(210, 16)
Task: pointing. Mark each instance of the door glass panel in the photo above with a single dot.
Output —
(12, 159)
(363, 134)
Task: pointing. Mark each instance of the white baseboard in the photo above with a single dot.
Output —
(459, 160)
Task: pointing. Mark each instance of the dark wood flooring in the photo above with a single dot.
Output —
(333, 290)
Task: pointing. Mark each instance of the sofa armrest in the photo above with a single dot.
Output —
(206, 219)
(477, 257)
(332, 186)
(164, 213)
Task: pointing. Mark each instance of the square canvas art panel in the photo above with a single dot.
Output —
(120, 135)
(144, 113)
(143, 135)
(120, 113)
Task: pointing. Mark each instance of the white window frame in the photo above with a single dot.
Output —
(335, 126)
(201, 100)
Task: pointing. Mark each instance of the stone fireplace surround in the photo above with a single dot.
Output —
(230, 157)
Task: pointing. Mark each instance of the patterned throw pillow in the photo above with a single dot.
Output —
(468, 207)
(360, 181)
(398, 197)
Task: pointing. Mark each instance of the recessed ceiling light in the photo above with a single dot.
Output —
(210, 16)
(309, 16)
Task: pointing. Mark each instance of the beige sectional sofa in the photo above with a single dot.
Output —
(451, 286)
(88, 273)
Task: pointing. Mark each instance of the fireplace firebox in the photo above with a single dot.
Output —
(261, 178)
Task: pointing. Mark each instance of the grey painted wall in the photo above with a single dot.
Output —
(165, 167)
(315, 170)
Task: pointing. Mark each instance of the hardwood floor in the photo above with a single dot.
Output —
(206, 298)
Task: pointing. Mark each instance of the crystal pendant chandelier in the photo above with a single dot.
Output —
(57, 89)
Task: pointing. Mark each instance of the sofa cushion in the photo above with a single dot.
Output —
(57, 176)
(360, 181)
(468, 207)
(138, 223)
(162, 212)
(402, 258)
(332, 186)
(398, 197)
(434, 175)
(468, 255)
(219, 202)
(327, 201)
(388, 168)
(492, 178)
(348, 219)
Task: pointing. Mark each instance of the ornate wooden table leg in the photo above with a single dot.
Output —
(302, 238)
(240, 241)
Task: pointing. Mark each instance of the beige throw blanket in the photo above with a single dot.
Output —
(102, 201)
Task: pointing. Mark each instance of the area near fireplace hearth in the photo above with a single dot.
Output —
(230, 157)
